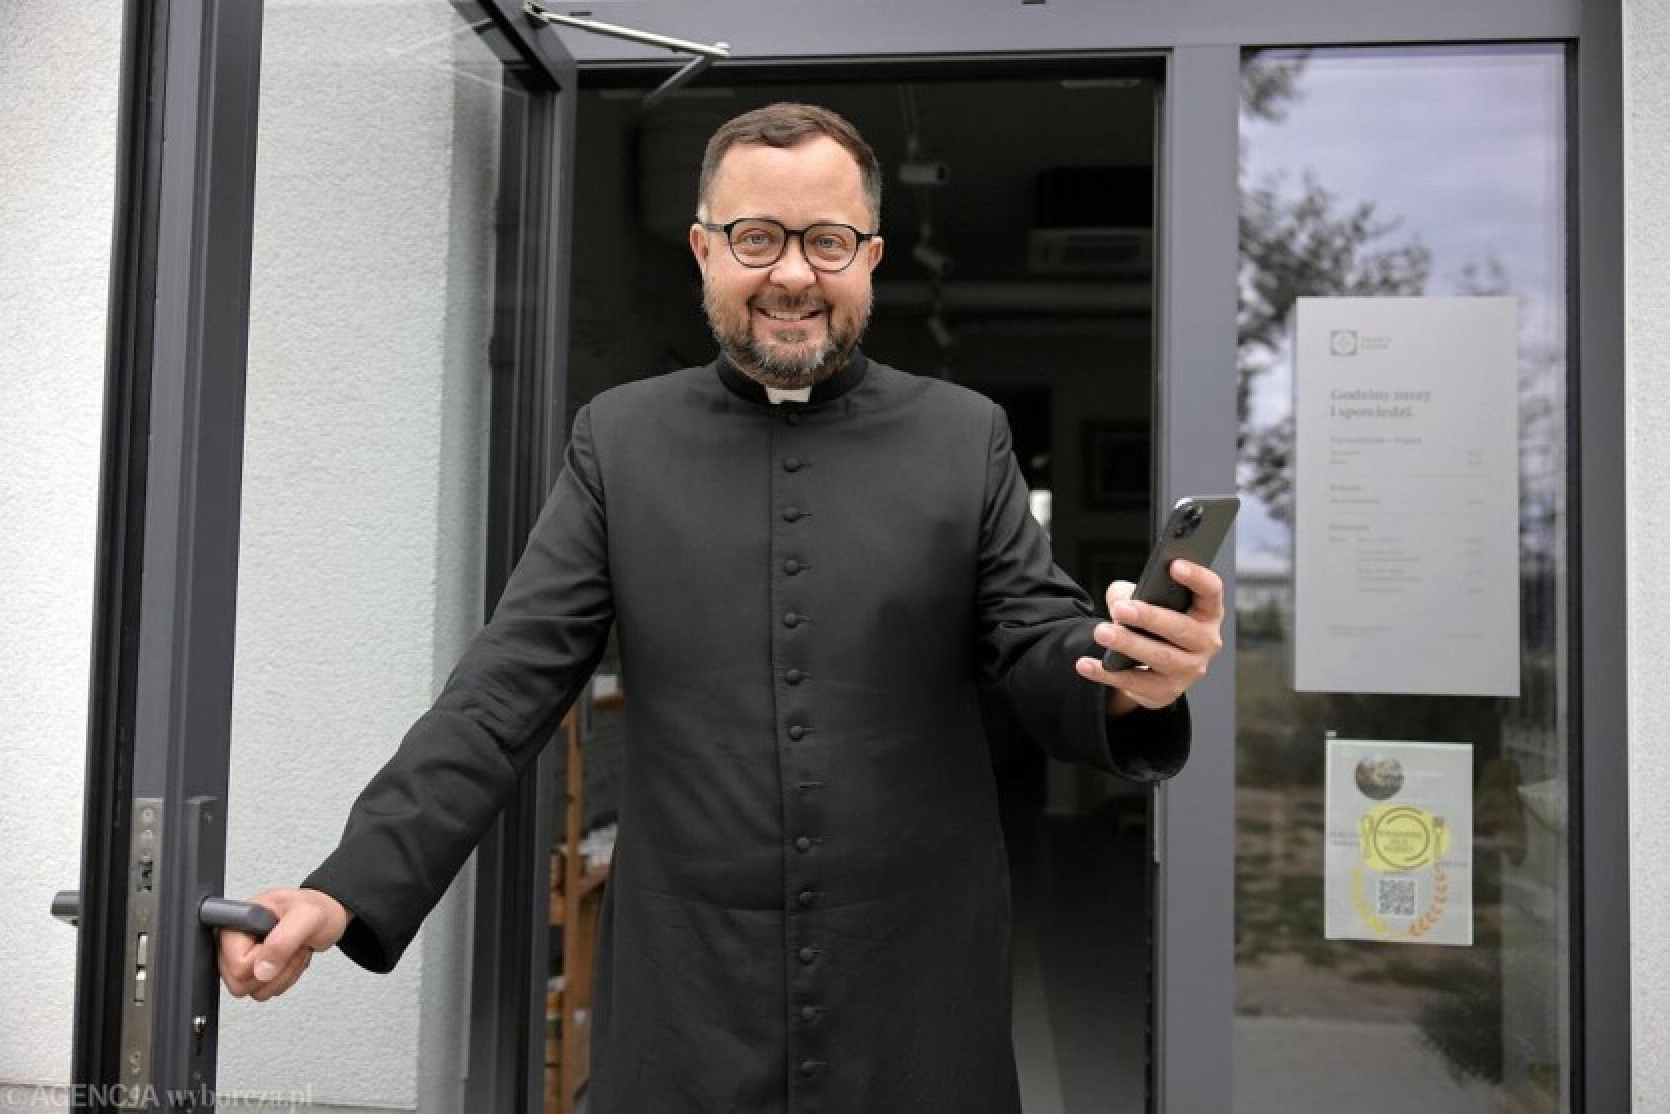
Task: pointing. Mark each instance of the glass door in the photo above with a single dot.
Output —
(376, 292)
(293, 557)
(1405, 743)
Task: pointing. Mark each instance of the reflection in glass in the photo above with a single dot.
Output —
(1383, 174)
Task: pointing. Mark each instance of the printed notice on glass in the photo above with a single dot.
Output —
(1406, 496)
(1398, 866)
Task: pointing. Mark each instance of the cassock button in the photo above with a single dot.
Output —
(791, 514)
(792, 464)
(807, 955)
(792, 619)
(792, 417)
(803, 844)
(805, 898)
(792, 567)
(808, 1013)
(794, 676)
(809, 1068)
(797, 732)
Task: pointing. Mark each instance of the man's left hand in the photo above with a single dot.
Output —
(1174, 648)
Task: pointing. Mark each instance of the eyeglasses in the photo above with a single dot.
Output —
(760, 242)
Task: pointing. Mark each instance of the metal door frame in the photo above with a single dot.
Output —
(160, 700)
(511, 934)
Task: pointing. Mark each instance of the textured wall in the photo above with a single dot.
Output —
(58, 83)
(1647, 279)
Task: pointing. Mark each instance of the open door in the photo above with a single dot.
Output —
(1019, 216)
(333, 354)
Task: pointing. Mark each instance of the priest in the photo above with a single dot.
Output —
(813, 564)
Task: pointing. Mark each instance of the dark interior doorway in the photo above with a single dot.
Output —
(1019, 263)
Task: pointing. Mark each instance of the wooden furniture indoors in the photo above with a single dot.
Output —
(575, 906)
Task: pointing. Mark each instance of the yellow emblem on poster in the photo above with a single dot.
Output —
(1402, 837)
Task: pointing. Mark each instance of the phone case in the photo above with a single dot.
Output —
(1194, 530)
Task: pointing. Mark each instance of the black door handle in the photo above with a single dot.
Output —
(213, 912)
(245, 916)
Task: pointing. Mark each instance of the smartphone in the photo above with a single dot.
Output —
(1194, 531)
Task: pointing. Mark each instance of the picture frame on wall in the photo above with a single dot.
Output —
(1117, 464)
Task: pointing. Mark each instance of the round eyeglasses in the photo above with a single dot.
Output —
(760, 242)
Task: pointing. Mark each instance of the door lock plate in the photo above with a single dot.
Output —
(139, 1002)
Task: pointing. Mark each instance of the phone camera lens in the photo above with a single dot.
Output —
(1189, 522)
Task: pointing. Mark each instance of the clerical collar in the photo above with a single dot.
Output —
(850, 375)
(774, 395)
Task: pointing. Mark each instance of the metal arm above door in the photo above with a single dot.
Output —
(704, 53)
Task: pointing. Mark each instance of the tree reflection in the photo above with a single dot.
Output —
(1299, 244)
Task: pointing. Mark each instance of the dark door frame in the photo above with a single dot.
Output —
(161, 677)
(513, 864)
(1195, 431)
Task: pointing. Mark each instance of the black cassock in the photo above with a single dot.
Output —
(808, 908)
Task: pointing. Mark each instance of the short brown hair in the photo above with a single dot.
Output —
(786, 124)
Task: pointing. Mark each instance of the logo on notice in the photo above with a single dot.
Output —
(1343, 342)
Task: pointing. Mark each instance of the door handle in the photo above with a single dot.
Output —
(245, 916)
(212, 912)
(167, 1037)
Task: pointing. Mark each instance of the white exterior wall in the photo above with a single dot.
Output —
(58, 91)
(1647, 297)
(364, 496)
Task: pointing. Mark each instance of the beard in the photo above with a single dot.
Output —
(782, 365)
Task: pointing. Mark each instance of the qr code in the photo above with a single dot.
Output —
(1396, 896)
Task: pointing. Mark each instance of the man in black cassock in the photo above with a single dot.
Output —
(813, 563)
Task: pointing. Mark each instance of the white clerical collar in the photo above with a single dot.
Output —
(799, 394)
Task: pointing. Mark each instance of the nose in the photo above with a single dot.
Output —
(791, 269)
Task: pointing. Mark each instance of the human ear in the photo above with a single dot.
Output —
(699, 245)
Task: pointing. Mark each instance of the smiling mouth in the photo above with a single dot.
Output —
(789, 316)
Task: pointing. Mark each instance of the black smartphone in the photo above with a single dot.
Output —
(1194, 531)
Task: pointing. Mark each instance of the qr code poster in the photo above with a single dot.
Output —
(1399, 859)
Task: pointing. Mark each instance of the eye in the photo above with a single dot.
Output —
(756, 240)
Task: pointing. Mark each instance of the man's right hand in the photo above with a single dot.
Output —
(308, 921)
